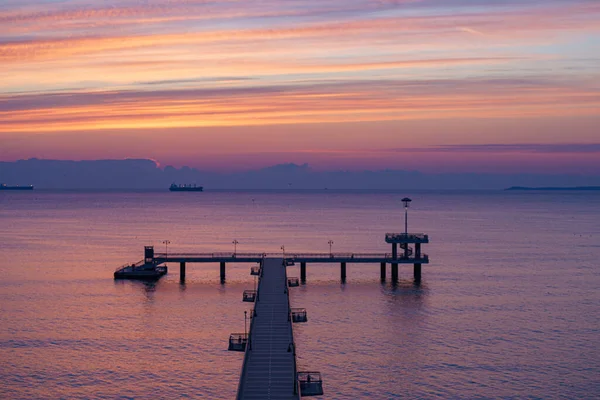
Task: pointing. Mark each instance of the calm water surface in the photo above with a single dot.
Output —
(508, 308)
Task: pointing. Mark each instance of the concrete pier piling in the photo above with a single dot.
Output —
(222, 271)
(182, 271)
(394, 265)
(382, 271)
(394, 272)
(343, 272)
(417, 273)
(303, 272)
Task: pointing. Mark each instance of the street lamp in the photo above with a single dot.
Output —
(406, 202)
(167, 243)
(330, 243)
(235, 243)
(283, 250)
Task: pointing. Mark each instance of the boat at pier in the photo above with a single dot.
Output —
(4, 186)
(185, 188)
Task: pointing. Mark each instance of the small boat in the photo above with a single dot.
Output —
(143, 271)
(185, 188)
(4, 186)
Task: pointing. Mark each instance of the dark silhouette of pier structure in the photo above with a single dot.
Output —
(269, 367)
(399, 241)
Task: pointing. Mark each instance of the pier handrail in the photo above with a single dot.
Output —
(129, 265)
(288, 256)
(248, 344)
(293, 343)
(325, 256)
(211, 255)
(420, 236)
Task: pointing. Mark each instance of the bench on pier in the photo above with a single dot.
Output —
(293, 281)
(299, 315)
(311, 383)
(238, 341)
(255, 271)
(249, 296)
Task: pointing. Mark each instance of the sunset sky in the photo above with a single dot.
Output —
(433, 85)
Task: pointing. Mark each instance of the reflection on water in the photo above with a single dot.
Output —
(146, 287)
(514, 316)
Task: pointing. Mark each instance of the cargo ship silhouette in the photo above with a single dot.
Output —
(185, 188)
(4, 186)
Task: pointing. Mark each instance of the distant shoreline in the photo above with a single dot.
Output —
(553, 188)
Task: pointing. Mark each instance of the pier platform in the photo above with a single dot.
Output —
(399, 241)
(269, 368)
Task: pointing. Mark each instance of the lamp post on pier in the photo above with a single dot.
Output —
(406, 202)
(330, 244)
(167, 243)
(235, 243)
(283, 250)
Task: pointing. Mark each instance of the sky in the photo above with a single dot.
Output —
(504, 86)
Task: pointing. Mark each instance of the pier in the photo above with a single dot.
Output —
(269, 367)
(398, 240)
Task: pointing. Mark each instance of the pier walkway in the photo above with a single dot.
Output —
(269, 369)
(329, 258)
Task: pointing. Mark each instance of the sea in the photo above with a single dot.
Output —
(508, 307)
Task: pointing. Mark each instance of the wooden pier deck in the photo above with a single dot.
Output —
(269, 368)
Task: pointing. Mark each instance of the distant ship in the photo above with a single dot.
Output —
(555, 188)
(185, 188)
(4, 186)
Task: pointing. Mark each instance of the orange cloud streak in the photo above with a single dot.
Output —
(301, 107)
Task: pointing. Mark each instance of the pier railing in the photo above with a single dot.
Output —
(248, 347)
(313, 257)
(292, 344)
(131, 265)
(357, 256)
(210, 255)
(409, 237)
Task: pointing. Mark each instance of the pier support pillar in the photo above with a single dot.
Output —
(417, 273)
(382, 271)
(303, 272)
(182, 271)
(394, 265)
(343, 272)
(222, 271)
